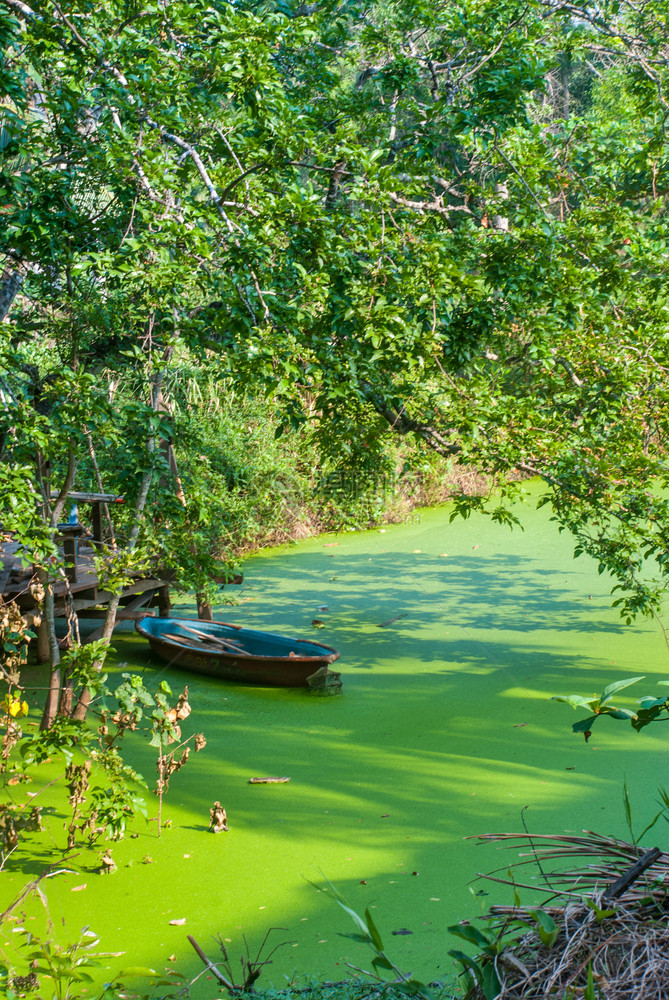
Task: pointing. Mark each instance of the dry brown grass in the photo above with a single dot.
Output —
(427, 489)
(626, 952)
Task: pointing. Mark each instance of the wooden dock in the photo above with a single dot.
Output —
(80, 589)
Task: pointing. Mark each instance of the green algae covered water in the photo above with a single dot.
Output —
(453, 637)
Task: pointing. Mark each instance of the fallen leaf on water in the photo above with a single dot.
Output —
(178, 923)
(329, 545)
(78, 888)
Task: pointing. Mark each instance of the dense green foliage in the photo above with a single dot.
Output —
(357, 222)
(448, 222)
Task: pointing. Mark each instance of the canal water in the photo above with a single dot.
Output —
(453, 637)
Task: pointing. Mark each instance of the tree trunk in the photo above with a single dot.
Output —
(501, 222)
(564, 80)
(204, 608)
(338, 172)
(51, 705)
(84, 700)
(66, 694)
(53, 697)
(9, 289)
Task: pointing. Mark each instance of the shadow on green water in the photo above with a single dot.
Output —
(503, 591)
(444, 730)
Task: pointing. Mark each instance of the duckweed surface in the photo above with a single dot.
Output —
(453, 636)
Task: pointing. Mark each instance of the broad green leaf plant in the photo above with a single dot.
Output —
(600, 706)
(652, 709)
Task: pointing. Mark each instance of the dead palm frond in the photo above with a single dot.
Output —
(603, 946)
(611, 857)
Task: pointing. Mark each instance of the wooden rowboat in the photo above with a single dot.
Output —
(240, 654)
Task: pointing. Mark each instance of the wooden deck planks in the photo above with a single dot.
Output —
(84, 593)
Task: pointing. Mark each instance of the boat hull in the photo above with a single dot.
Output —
(267, 661)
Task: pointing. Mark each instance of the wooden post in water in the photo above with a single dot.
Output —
(43, 652)
(164, 603)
